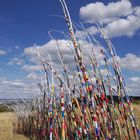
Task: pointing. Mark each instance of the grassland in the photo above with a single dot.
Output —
(6, 125)
(6, 128)
(137, 113)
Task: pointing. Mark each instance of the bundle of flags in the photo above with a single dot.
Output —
(83, 111)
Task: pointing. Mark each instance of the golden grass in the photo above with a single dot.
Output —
(137, 113)
(6, 125)
(6, 128)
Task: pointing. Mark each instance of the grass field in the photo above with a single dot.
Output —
(137, 113)
(6, 127)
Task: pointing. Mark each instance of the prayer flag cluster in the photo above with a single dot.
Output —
(90, 110)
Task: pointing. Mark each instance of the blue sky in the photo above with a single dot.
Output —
(26, 23)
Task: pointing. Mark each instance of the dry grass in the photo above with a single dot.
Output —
(137, 113)
(6, 127)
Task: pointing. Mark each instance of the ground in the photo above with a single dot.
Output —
(6, 127)
(137, 113)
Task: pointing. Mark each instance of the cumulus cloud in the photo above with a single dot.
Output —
(83, 34)
(134, 86)
(51, 49)
(105, 13)
(16, 61)
(122, 27)
(119, 18)
(49, 52)
(130, 62)
(2, 52)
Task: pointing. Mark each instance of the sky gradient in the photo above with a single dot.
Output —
(24, 24)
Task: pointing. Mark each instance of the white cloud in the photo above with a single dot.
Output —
(31, 76)
(91, 30)
(119, 18)
(135, 79)
(137, 11)
(130, 62)
(16, 89)
(2, 52)
(51, 49)
(122, 27)
(46, 50)
(31, 68)
(66, 48)
(16, 61)
(134, 86)
(105, 13)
